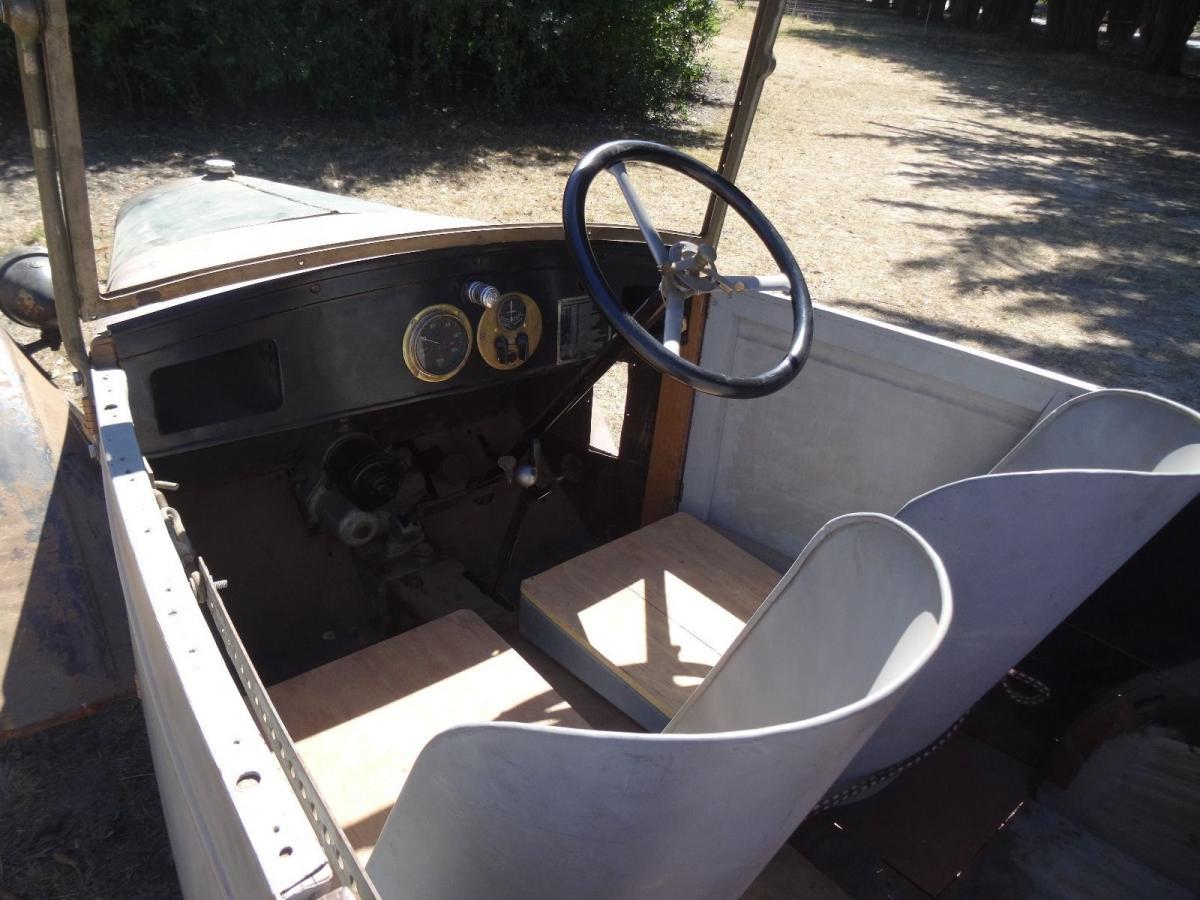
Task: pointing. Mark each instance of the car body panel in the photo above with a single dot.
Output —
(880, 415)
(64, 644)
(236, 828)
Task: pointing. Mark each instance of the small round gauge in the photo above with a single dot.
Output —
(509, 332)
(511, 312)
(437, 342)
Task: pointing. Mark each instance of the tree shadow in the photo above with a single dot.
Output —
(1102, 232)
(1084, 237)
(990, 69)
(301, 148)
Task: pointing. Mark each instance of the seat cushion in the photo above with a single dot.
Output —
(643, 618)
(359, 722)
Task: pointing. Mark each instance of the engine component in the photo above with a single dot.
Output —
(26, 292)
(343, 480)
(341, 518)
(362, 471)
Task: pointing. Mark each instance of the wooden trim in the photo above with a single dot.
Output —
(286, 261)
(671, 426)
(669, 451)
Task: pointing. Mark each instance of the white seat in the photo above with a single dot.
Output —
(1025, 544)
(504, 809)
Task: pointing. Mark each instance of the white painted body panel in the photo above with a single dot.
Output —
(228, 842)
(878, 416)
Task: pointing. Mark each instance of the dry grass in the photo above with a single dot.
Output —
(1043, 207)
(81, 813)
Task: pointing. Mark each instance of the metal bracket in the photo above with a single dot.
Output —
(24, 17)
(337, 848)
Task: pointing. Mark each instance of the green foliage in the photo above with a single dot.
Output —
(365, 56)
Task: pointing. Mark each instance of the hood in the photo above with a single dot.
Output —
(202, 223)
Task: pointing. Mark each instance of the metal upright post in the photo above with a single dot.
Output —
(760, 63)
(24, 18)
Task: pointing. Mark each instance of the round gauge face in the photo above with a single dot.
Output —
(509, 332)
(437, 343)
(511, 312)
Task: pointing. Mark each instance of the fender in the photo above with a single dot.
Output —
(64, 644)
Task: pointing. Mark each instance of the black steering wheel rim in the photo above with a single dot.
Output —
(643, 343)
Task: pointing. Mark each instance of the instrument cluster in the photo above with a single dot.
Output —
(439, 339)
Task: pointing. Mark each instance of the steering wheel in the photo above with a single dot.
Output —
(687, 269)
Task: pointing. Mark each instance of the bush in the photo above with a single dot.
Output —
(364, 56)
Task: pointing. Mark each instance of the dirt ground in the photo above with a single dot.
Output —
(81, 817)
(1044, 207)
(1041, 206)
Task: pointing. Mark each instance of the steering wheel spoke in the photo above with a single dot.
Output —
(737, 284)
(649, 233)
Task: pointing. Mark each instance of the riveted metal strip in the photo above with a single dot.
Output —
(338, 851)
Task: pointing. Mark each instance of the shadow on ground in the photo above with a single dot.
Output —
(1023, 80)
(1102, 219)
(1118, 222)
(91, 827)
(302, 149)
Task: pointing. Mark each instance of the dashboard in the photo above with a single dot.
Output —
(364, 335)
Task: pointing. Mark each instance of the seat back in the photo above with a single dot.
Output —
(1024, 547)
(857, 608)
(505, 810)
(1119, 430)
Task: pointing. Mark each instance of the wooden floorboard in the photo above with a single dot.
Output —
(360, 722)
(659, 606)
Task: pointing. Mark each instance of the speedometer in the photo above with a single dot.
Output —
(437, 342)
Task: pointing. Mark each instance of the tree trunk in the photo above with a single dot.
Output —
(1123, 19)
(964, 13)
(1166, 27)
(1074, 24)
(934, 9)
(999, 14)
(1024, 29)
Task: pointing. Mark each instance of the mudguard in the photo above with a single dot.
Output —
(64, 641)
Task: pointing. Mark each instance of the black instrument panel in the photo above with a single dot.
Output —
(319, 345)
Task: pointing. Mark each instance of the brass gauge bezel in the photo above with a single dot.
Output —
(489, 329)
(410, 358)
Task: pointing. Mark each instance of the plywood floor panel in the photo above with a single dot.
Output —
(360, 722)
(659, 606)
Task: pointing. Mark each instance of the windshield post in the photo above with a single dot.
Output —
(759, 64)
(48, 90)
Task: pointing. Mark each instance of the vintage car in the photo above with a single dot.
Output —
(408, 621)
